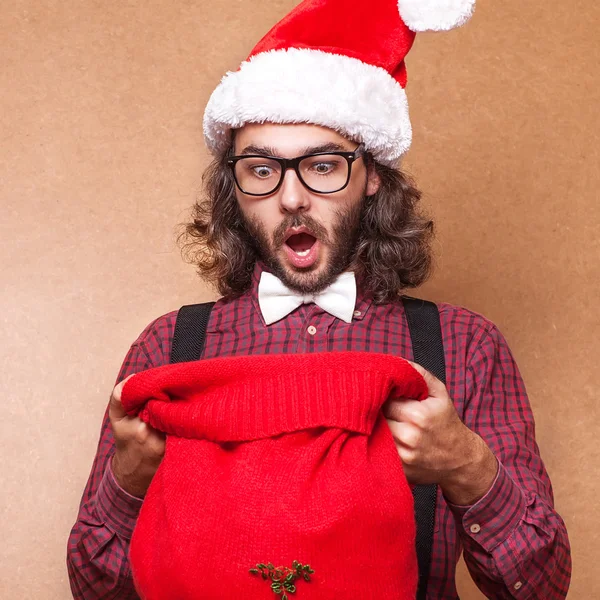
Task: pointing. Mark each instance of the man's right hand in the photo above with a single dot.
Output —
(138, 447)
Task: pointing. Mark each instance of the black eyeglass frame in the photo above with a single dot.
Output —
(294, 163)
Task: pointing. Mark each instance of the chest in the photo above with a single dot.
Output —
(380, 329)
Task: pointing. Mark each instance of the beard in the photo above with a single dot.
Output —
(342, 242)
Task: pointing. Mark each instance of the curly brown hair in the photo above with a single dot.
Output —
(393, 251)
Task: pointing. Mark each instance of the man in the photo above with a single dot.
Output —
(304, 205)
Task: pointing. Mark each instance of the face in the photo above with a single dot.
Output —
(306, 239)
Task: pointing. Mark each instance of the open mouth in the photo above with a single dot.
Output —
(302, 248)
(301, 243)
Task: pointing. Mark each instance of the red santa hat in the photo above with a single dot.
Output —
(333, 63)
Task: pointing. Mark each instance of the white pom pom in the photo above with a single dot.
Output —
(435, 15)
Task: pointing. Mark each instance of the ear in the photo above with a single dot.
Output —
(373, 180)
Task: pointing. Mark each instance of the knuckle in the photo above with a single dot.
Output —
(141, 432)
(412, 438)
(409, 457)
(414, 415)
(158, 452)
(420, 419)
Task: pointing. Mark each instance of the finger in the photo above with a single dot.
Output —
(409, 458)
(403, 411)
(407, 436)
(436, 388)
(152, 440)
(146, 434)
(115, 408)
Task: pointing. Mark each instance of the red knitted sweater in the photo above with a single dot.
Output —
(280, 480)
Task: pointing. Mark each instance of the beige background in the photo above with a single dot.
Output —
(101, 154)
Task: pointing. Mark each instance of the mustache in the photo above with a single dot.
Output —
(316, 229)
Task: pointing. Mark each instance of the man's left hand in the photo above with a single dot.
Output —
(437, 447)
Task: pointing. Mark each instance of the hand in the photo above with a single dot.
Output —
(437, 447)
(138, 447)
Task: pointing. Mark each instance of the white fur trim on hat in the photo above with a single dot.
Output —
(435, 15)
(361, 101)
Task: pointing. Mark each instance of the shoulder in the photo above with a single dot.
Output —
(477, 354)
(152, 348)
(470, 331)
(156, 339)
(160, 328)
(459, 318)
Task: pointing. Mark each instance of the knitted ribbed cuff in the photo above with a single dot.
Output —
(254, 397)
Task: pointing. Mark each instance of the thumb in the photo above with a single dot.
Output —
(115, 407)
(436, 388)
(400, 409)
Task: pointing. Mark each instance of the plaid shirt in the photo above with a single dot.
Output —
(514, 543)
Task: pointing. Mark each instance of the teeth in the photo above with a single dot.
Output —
(302, 252)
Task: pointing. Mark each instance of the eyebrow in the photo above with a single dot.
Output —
(270, 151)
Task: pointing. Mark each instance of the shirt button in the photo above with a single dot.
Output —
(312, 329)
(518, 585)
(357, 313)
(475, 528)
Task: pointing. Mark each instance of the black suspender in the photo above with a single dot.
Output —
(428, 350)
(190, 332)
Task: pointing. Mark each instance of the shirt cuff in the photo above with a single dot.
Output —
(492, 519)
(118, 509)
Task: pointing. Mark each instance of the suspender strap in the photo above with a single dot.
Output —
(190, 332)
(428, 350)
(426, 335)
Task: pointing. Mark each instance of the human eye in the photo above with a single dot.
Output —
(262, 171)
(324, 165)
(260, 168)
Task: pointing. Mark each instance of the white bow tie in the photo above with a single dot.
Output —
(277, 301)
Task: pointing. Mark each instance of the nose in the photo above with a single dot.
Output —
(293, 196)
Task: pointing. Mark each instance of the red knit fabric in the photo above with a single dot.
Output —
(275, 459)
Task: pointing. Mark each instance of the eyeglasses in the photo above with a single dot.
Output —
(321, 173)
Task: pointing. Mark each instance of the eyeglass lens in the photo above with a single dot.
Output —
(324, 173)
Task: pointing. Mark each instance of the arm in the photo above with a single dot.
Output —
(99, 541)
(515, 544)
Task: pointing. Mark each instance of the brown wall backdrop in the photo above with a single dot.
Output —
(101, 155)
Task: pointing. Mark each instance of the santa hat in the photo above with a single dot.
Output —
(335, 63)
(280, 474)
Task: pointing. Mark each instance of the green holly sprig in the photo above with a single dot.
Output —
(283, 578)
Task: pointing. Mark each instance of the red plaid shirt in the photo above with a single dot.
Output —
(514, 542)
